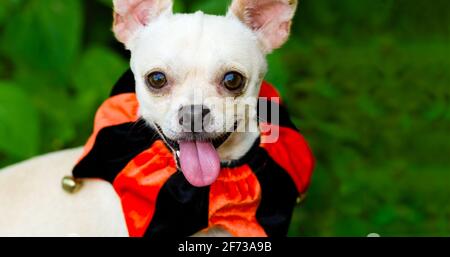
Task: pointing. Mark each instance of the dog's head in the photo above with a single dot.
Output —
(198, 76)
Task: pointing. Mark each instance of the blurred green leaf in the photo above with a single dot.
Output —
(277, 72)
(217, 7)
(45, 35)
(98, 70)
(179, 6)
(7, 8)
(19, 124)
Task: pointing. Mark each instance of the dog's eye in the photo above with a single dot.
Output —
(156, 80)
(233, 81)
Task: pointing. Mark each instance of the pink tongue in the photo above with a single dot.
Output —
(199, 162)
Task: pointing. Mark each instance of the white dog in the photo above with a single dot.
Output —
(186, 67)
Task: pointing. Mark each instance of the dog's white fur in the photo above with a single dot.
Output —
(194, 51)
(33, 203)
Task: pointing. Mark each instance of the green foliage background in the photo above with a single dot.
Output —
(367, 82)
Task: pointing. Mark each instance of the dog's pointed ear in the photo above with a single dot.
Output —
(270, 19)
(132, 15)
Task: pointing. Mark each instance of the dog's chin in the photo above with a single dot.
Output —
(197, 155)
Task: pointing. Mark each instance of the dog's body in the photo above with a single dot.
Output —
(180, 62)
(33, 203)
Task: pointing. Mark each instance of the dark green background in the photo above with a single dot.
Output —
(367, 82)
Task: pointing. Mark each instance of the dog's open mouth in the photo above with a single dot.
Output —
(198, 157)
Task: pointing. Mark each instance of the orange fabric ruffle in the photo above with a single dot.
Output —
(270, 92)
(139, 183)
(115, 110)
(233, 201)
(299, 165)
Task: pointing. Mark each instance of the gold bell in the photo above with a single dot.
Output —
(71, 184)
(301, 198)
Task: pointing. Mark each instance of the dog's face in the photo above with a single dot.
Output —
(198, 76)
(196, 64)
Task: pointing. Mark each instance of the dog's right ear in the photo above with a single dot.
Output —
(269, 19)
(132, 15)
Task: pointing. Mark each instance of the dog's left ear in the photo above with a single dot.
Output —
(132, 15)
(269, 19)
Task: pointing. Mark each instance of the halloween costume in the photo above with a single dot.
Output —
(253, 196)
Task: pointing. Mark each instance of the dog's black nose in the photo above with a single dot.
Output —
(194, 118)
